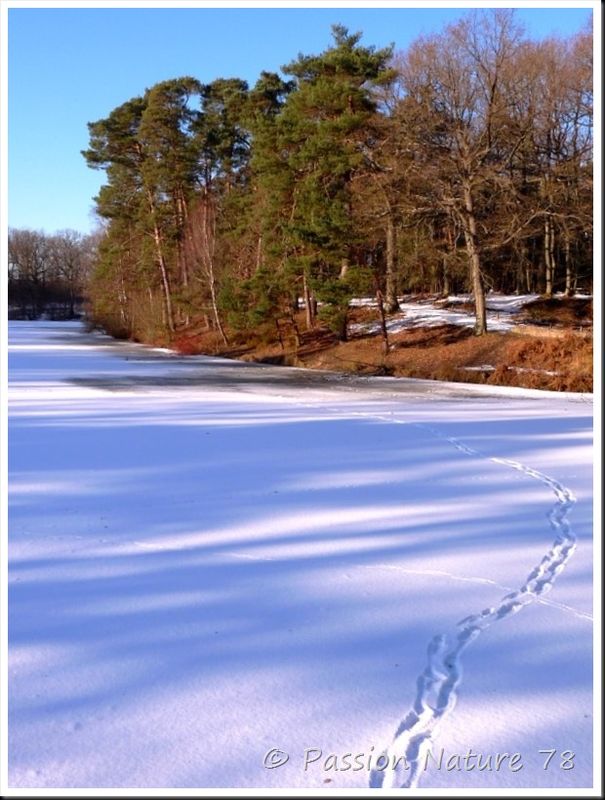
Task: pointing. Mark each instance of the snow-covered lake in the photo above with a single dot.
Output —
(213, 561)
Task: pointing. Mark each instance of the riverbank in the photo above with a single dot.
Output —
(531, 343)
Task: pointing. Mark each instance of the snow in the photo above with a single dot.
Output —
(210, 560)
(507, 303)
(501, 313)
(501, 310)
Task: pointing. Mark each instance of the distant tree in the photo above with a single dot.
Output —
(69, 255)
(28, 270)
(48, 272)
(562, 151)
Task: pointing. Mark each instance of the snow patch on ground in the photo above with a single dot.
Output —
(500, 313)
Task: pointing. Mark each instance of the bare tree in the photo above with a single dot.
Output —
(459, 80)
(69, 255)
(28, 269)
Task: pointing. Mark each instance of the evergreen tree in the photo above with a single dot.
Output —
(318, 141)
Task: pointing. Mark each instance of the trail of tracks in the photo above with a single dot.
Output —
(438, 683)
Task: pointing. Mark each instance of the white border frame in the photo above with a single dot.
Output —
(596, 7)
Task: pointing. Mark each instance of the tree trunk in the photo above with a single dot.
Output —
(569, 282)
(182, 227)
(209, 234)
(470, 235)
(446, 279)
(309, 304)
(451, 246)
(549, 261)
(259, 252)
(392, 304)
(383, 324)
(215, 311)
(122, 297)
(157, 237)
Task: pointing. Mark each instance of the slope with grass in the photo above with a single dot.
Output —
(532, 343)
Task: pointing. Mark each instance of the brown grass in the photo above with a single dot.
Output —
(561, 312)
(445, 352)
(440, 353)
(570, 357)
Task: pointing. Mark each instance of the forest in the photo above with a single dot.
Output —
(462, 164)
(49, 274)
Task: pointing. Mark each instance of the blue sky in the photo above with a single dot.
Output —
(69, 66)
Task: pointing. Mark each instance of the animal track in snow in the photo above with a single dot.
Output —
(437, 685)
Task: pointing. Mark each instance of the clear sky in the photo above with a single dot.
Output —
(69, 66)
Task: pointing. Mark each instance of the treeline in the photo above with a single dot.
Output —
(48, 274)
(463, 163)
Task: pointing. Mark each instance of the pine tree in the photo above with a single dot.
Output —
(319, 139)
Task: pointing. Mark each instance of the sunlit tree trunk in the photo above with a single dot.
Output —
(310, 304)
(549, 260)
(391, 304)
(469, 224)
(157, 238)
